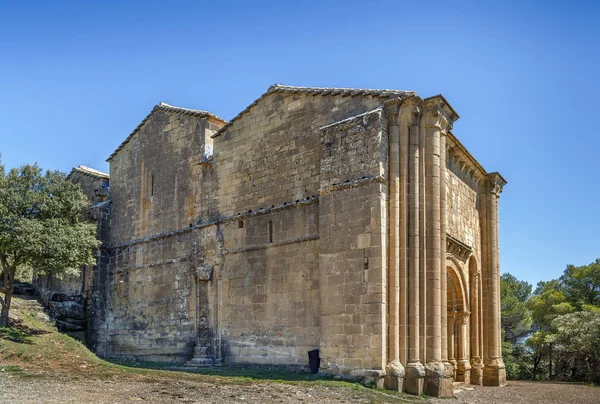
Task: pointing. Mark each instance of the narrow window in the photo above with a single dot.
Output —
(270, 231)
(240, 224)
(152, 185)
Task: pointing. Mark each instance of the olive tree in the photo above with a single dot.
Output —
(41, 226)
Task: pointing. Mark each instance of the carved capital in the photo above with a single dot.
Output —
(392, 114)
(495, 184)
(204, 273)
(435, 117)
(410, 113)
(464, 317)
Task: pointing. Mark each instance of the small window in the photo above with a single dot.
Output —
(152, 185)
(240, 224)
(104, 184)
(270, 226)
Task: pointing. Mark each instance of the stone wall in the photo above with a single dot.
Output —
(155, 176)
(463, 213)
(278, 242)
(278, 156)
(160, 191)
(251, 214)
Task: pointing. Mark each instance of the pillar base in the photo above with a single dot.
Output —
(414, 378)
(494, 373)
(438, 380)
(394, 376)
(463, 371)
(476, 372)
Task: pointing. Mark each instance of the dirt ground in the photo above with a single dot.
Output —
(521, 392)
(40, 365)
(16, 389)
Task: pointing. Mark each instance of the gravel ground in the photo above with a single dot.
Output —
(520, 392)
(15, 389)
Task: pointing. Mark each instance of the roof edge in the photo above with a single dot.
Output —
(90, 172)
(280, 88)
(165, 107)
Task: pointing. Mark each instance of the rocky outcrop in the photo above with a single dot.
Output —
(68, 311)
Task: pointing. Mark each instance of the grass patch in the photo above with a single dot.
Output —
(10, 369)
(31, 347)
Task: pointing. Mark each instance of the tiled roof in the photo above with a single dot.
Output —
(279, 88)
(165, 107)
(88, 171)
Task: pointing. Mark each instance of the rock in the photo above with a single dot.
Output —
(64, 326)
(373, 378)
(63, 297)
(22, 288)
(64, 310)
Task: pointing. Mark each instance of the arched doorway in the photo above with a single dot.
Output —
(458, 322)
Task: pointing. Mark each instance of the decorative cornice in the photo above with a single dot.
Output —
(457, 248)
(355, 183)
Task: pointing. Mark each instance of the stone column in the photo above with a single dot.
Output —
(436, 383)
(405, 119)
(444, 277)
(476, 365)
(451, 318)
(394, 369)
(463, 366)
(494, 373)
(415, 371)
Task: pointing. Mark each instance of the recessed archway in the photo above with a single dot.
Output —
(458, 320)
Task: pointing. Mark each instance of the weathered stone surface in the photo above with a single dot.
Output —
(349, 221)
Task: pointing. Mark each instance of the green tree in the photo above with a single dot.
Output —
(579, 332)
(516, 318)
(516, 325)
(40, 226)
(547, 303)
(582, 284)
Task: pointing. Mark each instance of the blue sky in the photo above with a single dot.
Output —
(77, 77)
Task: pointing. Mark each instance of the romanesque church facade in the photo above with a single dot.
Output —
(351, 221)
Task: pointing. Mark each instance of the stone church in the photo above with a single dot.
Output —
(352, 221)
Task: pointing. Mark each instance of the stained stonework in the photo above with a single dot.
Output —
(349, 221)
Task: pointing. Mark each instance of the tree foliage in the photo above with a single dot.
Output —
(41, 226)
(554, 332)
(516, 319)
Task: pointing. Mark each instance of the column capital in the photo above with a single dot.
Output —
(410, 113)
(392, 114)
(437, 113)
(495, 183)
(463, 316)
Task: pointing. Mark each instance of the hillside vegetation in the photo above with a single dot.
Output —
(36, 359)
